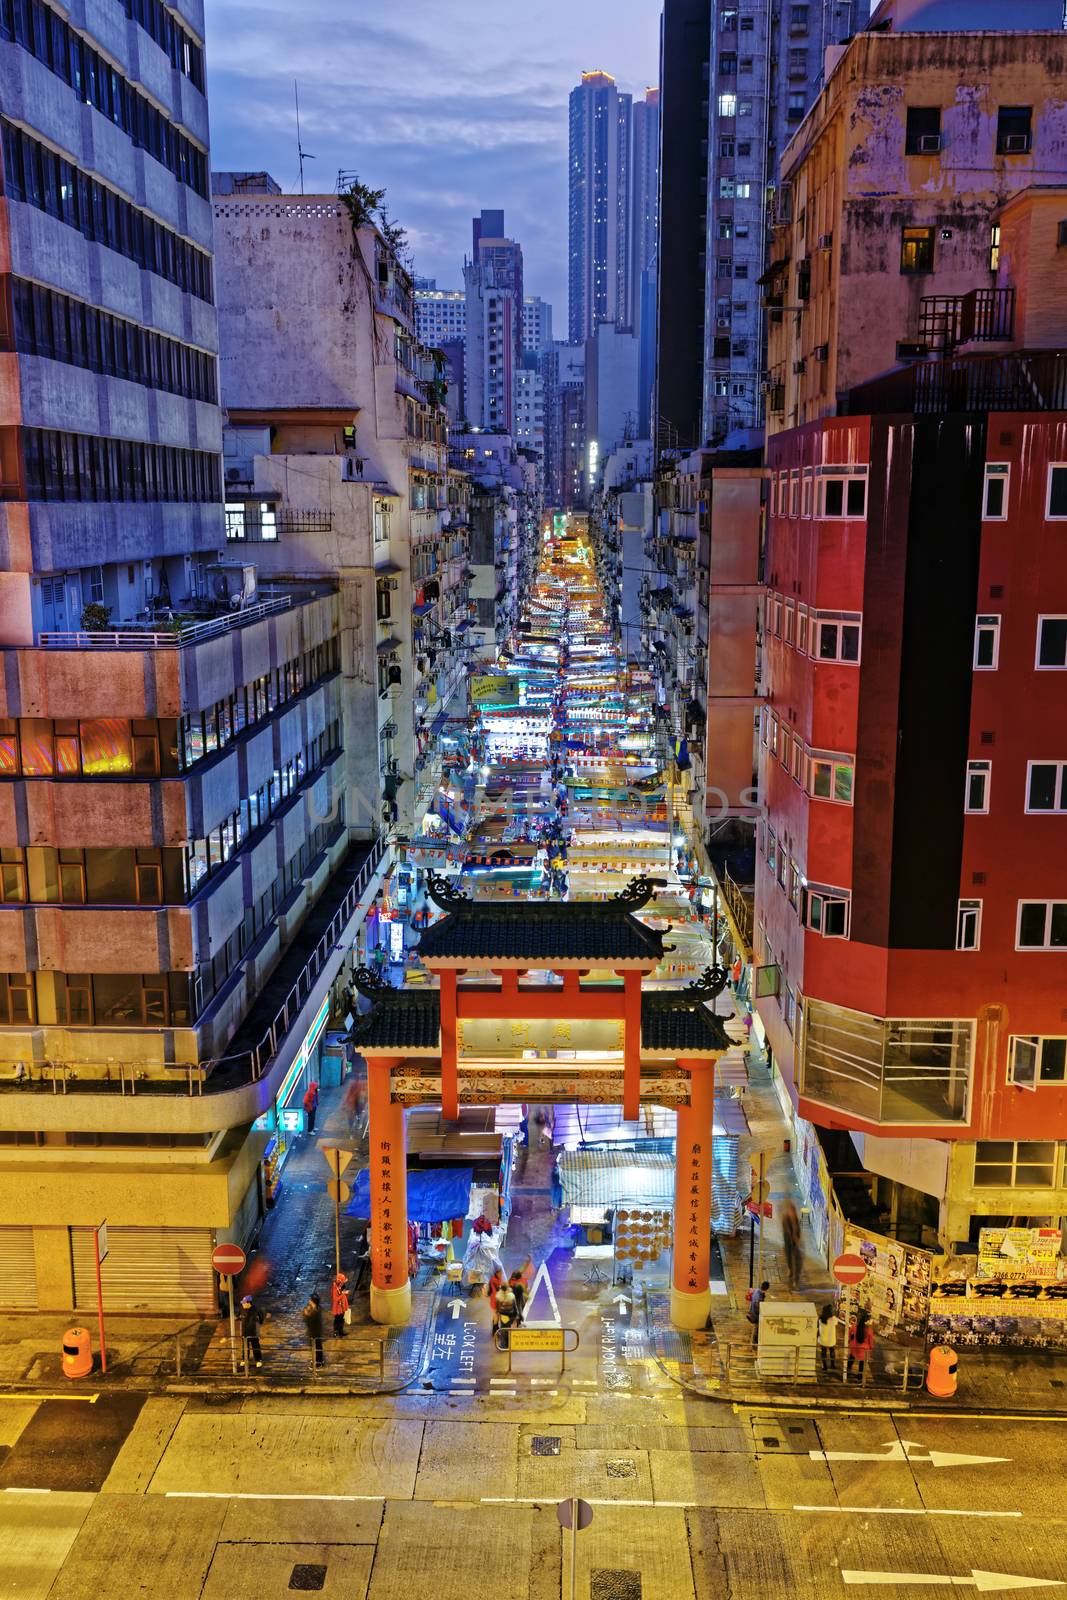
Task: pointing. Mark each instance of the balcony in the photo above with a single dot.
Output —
(1020, 381)
(946, 320)
(179, 635)
(888, 1071)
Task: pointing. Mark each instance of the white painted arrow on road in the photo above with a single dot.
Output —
(984, 1582)
(457, 1307)
(905, 1450)
(621, 1301)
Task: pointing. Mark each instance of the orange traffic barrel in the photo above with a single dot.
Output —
(941, 1371)
(77, 1353)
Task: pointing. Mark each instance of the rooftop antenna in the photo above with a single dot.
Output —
(302, 154)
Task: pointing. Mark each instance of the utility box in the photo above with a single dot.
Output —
(787, 1337)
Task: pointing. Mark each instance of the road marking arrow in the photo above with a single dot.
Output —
(984, 1582)
(457, 1307)
(622, 1301)
(906, 1450)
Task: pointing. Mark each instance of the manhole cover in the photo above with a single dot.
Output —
(544, 1444)
(770, 1444)
(784, 1435)
(622, 1469)
(612, 1583)
(307, 1575)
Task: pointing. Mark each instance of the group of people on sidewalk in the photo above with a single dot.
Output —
(252, 1320)
(859, 1335)
(507, 1296)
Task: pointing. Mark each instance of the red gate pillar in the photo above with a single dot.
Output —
(390, 1291)
(449, 1046)
(631, 1046)
(690, 1295)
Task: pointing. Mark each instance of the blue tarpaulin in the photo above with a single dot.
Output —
(435, 1195)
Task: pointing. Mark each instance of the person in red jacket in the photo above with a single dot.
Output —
(311, 1100)
(861, 1341)
(339, 1303)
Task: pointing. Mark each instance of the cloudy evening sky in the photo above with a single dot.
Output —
(450, 105)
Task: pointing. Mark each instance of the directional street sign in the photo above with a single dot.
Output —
(984, 1582)
(228, 1260)
(849, 1269)
(904, 1450)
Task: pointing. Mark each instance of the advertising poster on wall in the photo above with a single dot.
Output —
(896, 1289)
(1014, 1294)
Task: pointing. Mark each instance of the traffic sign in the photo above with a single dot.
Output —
(339, 1190)
(228, 1260)
(849, 1268)
(565, 1513)
(536, 1338)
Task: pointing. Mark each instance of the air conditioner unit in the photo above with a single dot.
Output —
(233, 474)
(929, 144)
(1015, 144)
(821, 352)
(722, 322)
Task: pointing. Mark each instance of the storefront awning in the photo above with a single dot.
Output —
(435, 1195)
(609, 1177)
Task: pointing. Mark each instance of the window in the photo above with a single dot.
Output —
(836, 638)
(994, 247)
(772, 852)
(976, 794)
(744, 108)
(1042, 925)
(728, 64)
(790, 618)
(1056, 498)
(1004, 1164)
(743, 190)
(805, 497)
(986, 644)
(726, 148)
(747, 24)
(795, 107)
(832, 778)
(794, 492)
(1046, 786)
(922, 134)
(1051, 643)
(995, 491)
(826, 911)
(802, 630)
(841, 492)
(1013, 130)
(798, 18)
(1033, 1059)
(968, 924)
(916, 249)
(727, 105)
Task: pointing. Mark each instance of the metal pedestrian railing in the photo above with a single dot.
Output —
(901, 1371)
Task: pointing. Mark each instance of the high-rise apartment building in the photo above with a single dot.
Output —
(536, 325)
(169, 739)
(685, 48)
(766, 66)
(440, 315)
(644, 196)
(494, 323)
(599, 206)
(911, 908)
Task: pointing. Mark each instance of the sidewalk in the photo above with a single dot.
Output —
(720, 1362)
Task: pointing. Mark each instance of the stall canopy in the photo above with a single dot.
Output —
(608, 1177)
(435, 1195)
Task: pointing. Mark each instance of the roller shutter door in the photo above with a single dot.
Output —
(18, 1270)
(148, 1270)
(246, 1222)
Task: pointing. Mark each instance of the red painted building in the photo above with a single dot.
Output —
(911, 892)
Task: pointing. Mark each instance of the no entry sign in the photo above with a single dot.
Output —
(228, 1260)
(849, 1269)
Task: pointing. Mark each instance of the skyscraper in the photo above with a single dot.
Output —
(493, 282)
(599, 226)
(644, 196)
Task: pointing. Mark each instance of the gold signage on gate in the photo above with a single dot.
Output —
(516, 1038)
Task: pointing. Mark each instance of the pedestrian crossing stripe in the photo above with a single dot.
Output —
(541, 1277)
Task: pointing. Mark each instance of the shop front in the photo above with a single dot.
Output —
(286, 1119)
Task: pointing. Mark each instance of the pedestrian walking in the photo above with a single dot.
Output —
(756, 1300)
(311, 1101)
(339, 1304)
(861, 1341)
(518, 1289)
(794, 1254)
(313, 1324)
(506, 1311)
(251, 1322)
(492, 1289)
(827, 1334)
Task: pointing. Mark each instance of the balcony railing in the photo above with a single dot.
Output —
(151, 637)
(947, 320)
(887, 1070)
(1019, 381)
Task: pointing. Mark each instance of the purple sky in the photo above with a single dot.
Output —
(450, 105)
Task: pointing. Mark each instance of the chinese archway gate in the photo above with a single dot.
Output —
(498, 1040)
